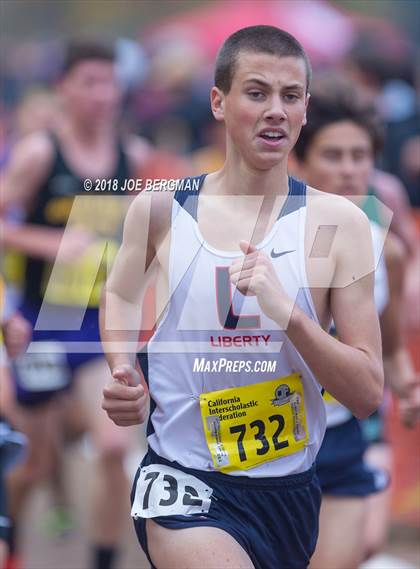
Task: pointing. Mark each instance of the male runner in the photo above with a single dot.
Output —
(45, 173)
(255, 264)
(336, 153)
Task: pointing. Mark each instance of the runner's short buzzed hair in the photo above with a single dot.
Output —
(256, 39)
(334, 99)
(78, 51)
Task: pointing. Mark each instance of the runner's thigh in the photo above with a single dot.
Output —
(203, 547)
(341, 528)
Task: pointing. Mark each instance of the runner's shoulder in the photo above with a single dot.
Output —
(153, 209)
(29, 165)
(35, 150)
(332, 209)
(37, 147)
(340, 227)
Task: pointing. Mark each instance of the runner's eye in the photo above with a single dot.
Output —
(256, 95)
(332, 155)
(291, 97)
(359, 155)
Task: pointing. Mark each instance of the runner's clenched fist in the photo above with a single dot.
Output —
(125, 399)
(254, 275)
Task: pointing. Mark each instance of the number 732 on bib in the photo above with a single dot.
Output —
(249, 425)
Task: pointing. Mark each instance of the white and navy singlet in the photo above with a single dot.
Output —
(207, 320)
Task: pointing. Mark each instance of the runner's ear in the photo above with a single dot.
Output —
(217, 104)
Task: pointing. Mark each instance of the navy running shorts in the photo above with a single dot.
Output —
(274, 519)
(340, 466)
(42, 373)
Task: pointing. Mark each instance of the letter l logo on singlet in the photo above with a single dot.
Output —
(227, 317)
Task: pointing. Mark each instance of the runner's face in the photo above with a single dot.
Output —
(339, 159)
(91, 91)
(267, 95)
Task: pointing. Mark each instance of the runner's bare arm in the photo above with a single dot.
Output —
(120, 310)
(33, 240)
(125, 399)
(391, 317)
(400, 374)
(28, 167)
(26, 170)
(120, 307)
(351, 368)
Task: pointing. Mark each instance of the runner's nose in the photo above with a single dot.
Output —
(275, 110)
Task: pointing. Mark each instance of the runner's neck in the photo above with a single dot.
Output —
(241, 179)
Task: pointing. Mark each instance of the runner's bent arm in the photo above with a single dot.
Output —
(120, 309)
(125, 398)
(400, 375)
(28, 167)
(351, 368)
(34, 240)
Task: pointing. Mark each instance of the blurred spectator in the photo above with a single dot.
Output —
(385, 73)
(173, 102)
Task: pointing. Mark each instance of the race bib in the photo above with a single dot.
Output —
(44, 370)
(249, 425)
(164, 491)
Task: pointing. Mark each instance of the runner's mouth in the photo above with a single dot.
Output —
(273, 138)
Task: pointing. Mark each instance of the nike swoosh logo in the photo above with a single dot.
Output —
(275, 255)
